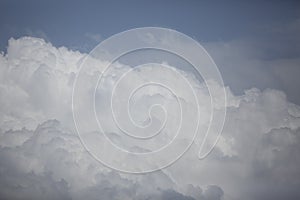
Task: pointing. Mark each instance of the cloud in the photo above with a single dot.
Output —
(52, 164)
(35, 82)
(94, 37)
(256, 157)
(42, 157)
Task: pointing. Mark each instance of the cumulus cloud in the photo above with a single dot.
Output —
(35, 82)
(256, 157)
(42, 157)
(52, 164)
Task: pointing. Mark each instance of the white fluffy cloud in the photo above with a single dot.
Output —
(42, 157)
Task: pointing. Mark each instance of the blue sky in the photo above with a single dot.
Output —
(70, 23)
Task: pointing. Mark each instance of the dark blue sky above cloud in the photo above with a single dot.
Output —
(69, 22)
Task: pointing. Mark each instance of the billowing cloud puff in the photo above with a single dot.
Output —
(35, 82)
(52, 164)
(42, 157)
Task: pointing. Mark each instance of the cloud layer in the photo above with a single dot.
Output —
(257, 156)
